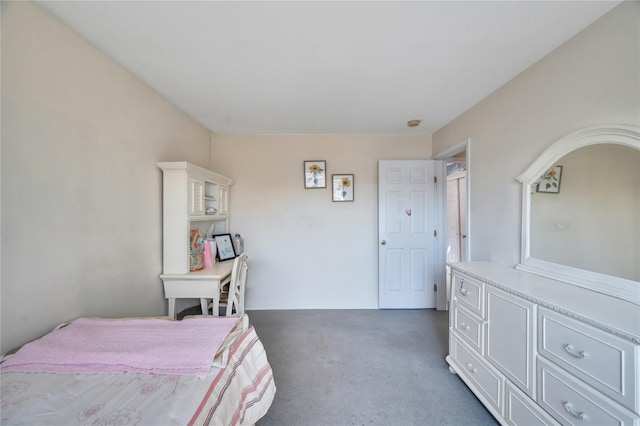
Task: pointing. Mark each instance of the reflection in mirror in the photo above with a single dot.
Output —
(592, 221)
(584, 228)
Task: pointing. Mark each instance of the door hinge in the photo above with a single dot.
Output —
(435, 287)
(435, 233)
(435, 179)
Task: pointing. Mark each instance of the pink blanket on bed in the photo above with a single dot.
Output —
(148, 346)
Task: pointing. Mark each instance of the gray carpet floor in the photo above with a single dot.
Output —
(363, 367)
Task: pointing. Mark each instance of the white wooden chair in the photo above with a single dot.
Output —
(235, 297)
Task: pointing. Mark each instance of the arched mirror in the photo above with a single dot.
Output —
(581, 211)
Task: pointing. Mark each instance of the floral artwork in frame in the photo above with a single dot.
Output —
(315, 173)
(550, 181)
(342, 187)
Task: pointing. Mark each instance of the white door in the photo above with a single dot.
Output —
(453, 221)
(462, 211)
(456, 217)
(410, 230)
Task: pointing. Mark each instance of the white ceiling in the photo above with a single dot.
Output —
(326, 67)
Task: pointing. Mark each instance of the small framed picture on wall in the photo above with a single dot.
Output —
(315, 174)
(343, 187)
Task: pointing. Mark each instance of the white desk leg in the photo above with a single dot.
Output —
(216, 306)
(172, 307)
(203, 306)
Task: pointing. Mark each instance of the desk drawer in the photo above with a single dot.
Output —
(469, 327)
(190, 288)
(602, 360)
(572, 402)
(470, 293)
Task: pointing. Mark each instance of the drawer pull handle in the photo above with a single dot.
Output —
(463, 291)
(471, 368)
(464, 326)
(571, 351)
(569, 407)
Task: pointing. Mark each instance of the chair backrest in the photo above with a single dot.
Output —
(237, 285)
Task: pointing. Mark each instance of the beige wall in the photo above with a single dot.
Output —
(81, 193)
(590, 80)
(306, 251)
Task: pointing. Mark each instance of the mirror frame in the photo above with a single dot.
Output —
(614, 286)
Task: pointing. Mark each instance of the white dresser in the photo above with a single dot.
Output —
(539, 351)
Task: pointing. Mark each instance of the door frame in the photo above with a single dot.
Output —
(464, 145)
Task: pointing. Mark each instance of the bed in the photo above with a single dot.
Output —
(60, 379)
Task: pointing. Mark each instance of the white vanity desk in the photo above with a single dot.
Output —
(539, 351)
(204, 284)
(192, 198)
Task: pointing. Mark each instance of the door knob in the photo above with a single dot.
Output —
(383, 242)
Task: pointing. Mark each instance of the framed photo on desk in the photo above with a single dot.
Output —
(225, 246)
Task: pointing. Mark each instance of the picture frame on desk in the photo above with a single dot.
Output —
(224, 243)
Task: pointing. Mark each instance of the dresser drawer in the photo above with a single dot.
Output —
(479, 375)
(571, 402)
(469, 327)
(520, 410)
(602, 360)
(470, 293)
